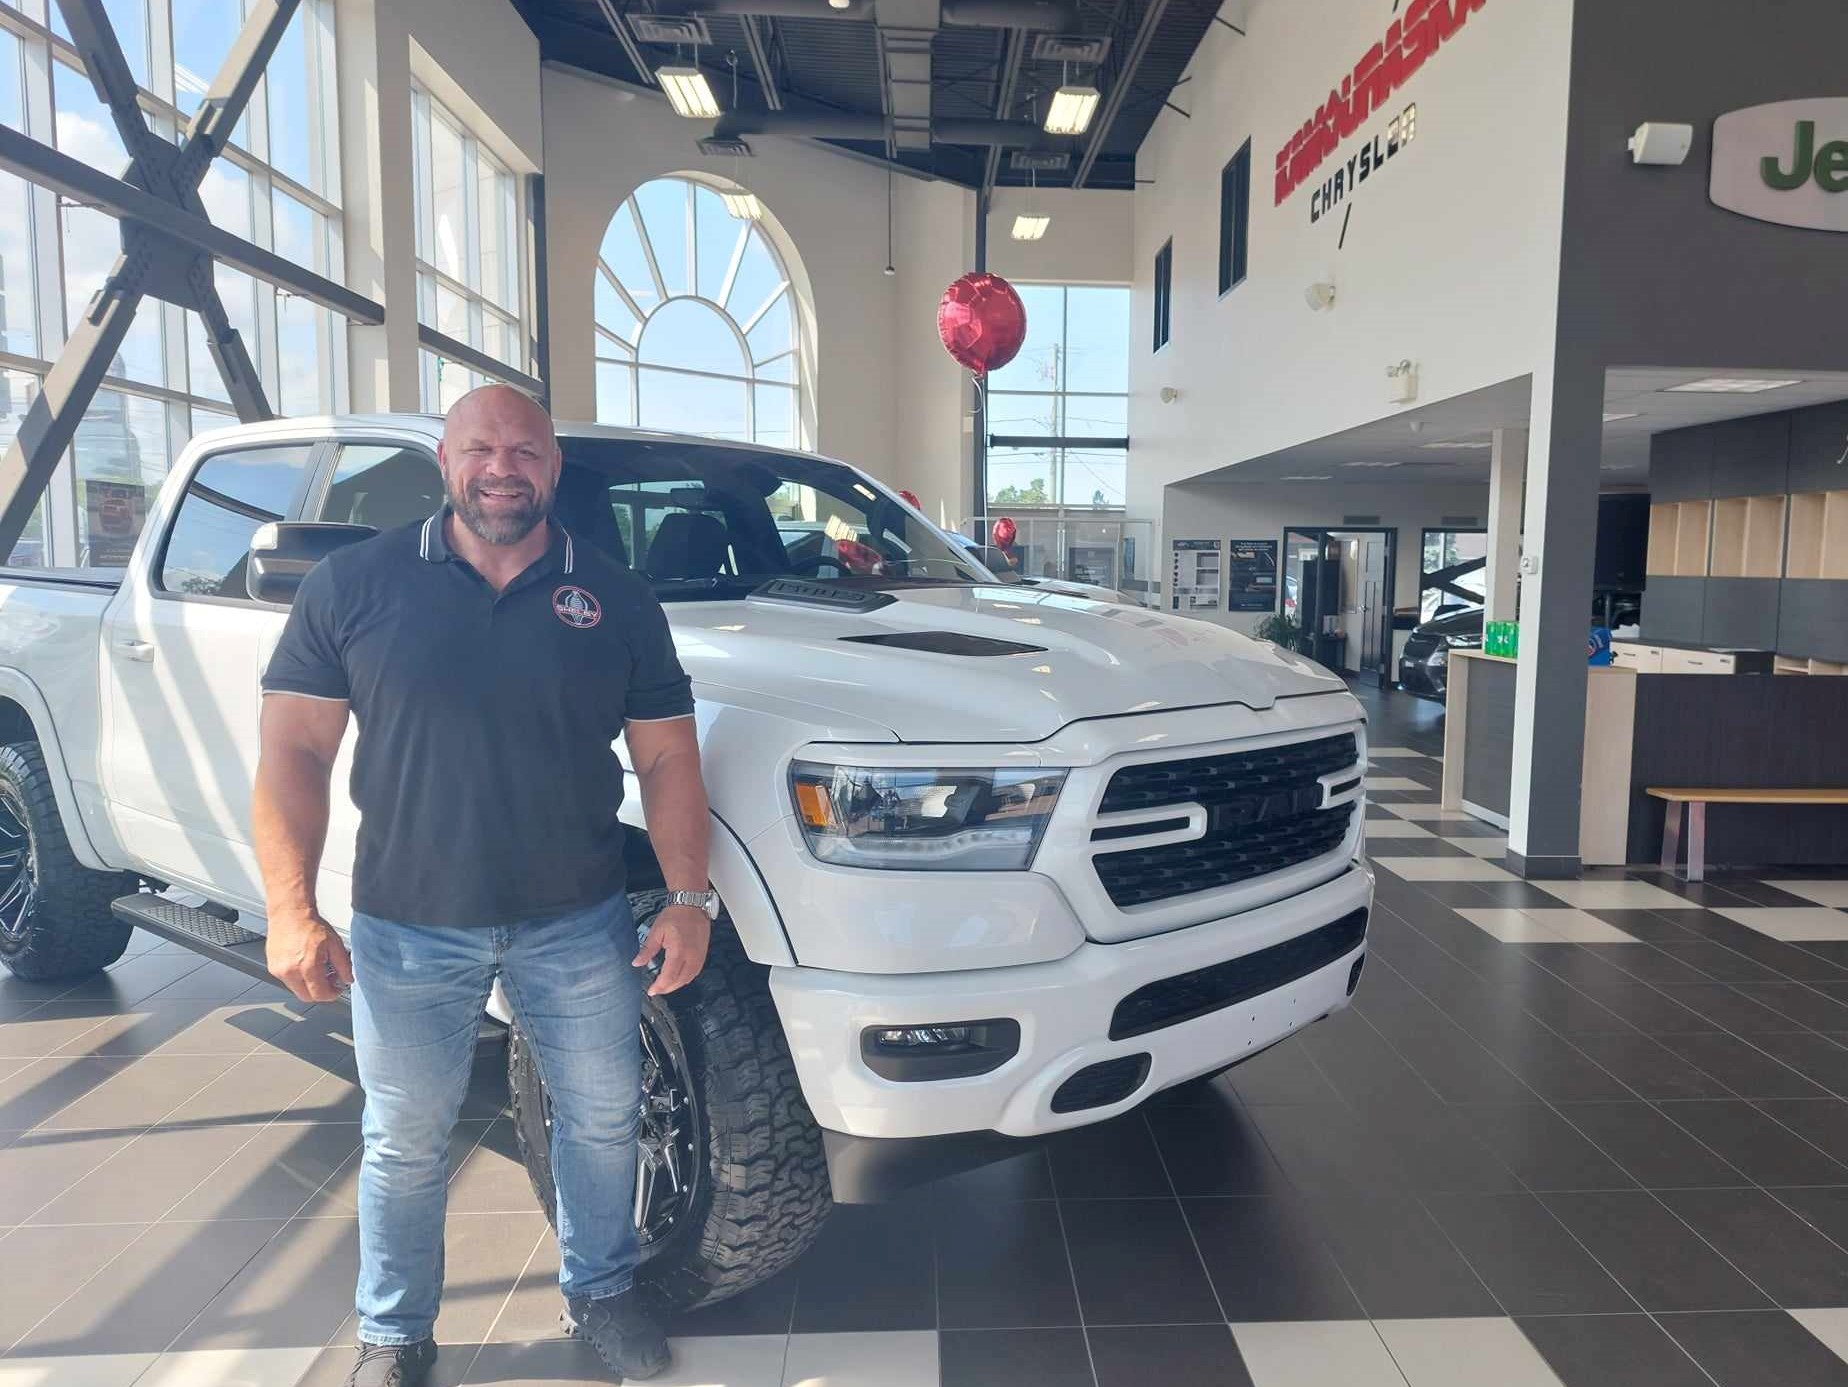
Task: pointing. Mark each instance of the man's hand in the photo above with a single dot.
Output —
(306, 956)
(683, 932)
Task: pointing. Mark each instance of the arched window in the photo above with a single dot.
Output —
(697, 322)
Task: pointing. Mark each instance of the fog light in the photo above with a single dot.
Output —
(1354, 974)
(952, 1050)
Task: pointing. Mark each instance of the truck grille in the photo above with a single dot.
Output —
(1263, 815)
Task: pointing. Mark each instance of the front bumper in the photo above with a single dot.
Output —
(1064, 1009)
(1423, 678)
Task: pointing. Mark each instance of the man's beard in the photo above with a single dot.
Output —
(502, 526)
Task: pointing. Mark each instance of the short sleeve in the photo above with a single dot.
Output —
(308, 657)
(658, 686)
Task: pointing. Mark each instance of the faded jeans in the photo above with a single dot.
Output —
(418, 997)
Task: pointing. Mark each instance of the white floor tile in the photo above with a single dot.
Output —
(1394, 782)
(1443, 869)
(1395, 828)
(77, 1370)
(1831, 1326)
(231, 1367)
(1545, 925)
(907, 1359)
(1614, 895)
(1424, 813)
(1465, 1353)
(1316, 1354)
(1493, 846)
(1379, 753)
(1833, 893)
(1795, 923)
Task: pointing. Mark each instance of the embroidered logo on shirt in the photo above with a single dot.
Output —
(576, 608)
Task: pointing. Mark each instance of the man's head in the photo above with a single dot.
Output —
(500, 463)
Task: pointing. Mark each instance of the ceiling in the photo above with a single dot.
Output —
(938, 60)
(1406, 440)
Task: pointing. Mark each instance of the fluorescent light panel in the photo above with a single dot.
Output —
(742, 205)
(688, 92)
(1613, 418)
(1731, 385)
(1030, 228)
(1319, 477)
(1370, 464)
(1071, 110)
(1461, 443)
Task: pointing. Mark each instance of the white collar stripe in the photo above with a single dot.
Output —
(423, 546)
(569, 552)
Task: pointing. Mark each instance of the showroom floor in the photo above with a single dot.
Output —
(1577, 1133)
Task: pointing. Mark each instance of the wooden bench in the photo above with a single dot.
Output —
(1697, 801)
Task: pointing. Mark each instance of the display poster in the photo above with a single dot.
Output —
(1197, 575)
(115, 513)
(1251, 575)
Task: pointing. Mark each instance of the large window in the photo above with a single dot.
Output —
(277, 185)
(1164, 292)
(1235, 219)
(697, 323)
(471, 274)
(1058, 413)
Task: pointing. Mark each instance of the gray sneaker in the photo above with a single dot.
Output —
(628, 1336)
(393, 1365)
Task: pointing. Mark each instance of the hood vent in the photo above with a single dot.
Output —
(834, 596)
(948, 643)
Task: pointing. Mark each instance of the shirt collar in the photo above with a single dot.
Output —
(433, 542)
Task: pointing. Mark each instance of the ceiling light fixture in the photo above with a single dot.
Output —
(1461, 443)
(742, 205)
(1071, 110)
(688, 92)
(1318, 477)
(1030, 228)
(1372, 464)
(1613, 418)
(1731, 385)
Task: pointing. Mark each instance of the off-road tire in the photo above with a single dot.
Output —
(764, 1191)
(69, 930)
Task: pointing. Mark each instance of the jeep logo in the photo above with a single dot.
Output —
(1785, 162)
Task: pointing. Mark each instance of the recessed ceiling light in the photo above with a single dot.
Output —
(1732, 385)
(1371, 464)
(1030, 228)
(1461, 443)
(1321, 477)
(1613, 418)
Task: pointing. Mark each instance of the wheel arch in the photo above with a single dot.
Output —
(735, 877)
(25, 716)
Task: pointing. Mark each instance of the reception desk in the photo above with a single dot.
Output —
(1673, 729)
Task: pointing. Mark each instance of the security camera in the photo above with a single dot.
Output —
(1319, 295)
(1657, 143)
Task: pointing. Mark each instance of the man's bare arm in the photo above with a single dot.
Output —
(665, 755)
(300, 739)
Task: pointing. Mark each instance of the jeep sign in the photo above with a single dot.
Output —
(1785, 162)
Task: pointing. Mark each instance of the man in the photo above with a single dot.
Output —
(489, 661)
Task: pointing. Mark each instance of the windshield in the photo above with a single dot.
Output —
(704, 520)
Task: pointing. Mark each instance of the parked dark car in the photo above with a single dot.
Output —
(1424, 663)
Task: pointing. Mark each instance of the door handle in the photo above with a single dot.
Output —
(141, 651)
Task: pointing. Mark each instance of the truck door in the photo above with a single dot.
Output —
(182, 654)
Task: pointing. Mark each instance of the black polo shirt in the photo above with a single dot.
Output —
(486, 785)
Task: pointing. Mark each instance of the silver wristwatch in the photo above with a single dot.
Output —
(707, 901)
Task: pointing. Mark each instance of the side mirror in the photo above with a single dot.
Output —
(282, 553)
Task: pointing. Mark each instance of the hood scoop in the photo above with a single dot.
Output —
(831, 596)
(947, 643)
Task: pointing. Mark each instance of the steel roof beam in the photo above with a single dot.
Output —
(760, 60)
(1004, 102)
(1120, 88)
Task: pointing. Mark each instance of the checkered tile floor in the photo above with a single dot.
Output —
(1589, 1134)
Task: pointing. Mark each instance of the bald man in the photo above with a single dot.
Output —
(489, 661)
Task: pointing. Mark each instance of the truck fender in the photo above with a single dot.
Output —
(747, 900)
(26, 694)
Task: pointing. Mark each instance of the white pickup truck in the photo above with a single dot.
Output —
(995, 861)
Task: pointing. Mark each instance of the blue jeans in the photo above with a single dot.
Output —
(418, 996)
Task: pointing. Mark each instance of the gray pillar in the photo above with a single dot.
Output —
(1507, 482)
(1561, 529)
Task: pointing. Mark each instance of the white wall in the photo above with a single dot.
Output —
(1261, 510)
(1451, 256)
(1091, 239)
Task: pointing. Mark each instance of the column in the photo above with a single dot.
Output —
(1507, 482)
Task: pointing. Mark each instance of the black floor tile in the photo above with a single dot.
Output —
(1610, 1351)
(1745, 1069)
(1822, 1122)
(1760, 1148)
(1334, 1149)
(1110, 1160)
(1649, 1070)
(1174, 1356)
(1399, 1261)
(1757, 1350)
(1727, 1009)
(1653, 1254)
(1267, 1261)
(1530, 1263)
(1822, 1207)
(1804, 1004)
(1014, 1358)
(1555, 1070)
(1214, 1151)
(1648, 965)
(1812, 1055)
(1284, 1073)
(1721, 963)
(1542, 1149)
(1005, 1269)
(870, 1269)
(1136, 1263)
(764, 1309)
(1793, 1263)
(1650, 1011)
(1026, 1176)
(1656, 1153)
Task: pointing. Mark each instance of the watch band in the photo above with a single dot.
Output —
(707, 900)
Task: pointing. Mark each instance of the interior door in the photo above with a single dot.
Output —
(1373, 613)
(181, 664)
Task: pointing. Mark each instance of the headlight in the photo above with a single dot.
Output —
(1463, 642)
(924, 820)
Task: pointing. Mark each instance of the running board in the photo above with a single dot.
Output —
(221, 940)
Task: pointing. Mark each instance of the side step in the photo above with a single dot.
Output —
(221, 940)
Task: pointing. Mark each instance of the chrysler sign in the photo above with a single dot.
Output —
(1785, 162)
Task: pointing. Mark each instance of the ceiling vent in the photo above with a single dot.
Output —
(669, 29)
(1070, 48)
(1039, 161)
(720, 149)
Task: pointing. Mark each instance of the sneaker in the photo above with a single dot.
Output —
(630, 1338)
(393, 1365)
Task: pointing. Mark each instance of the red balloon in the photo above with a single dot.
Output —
(910, 498)
(1004, 532)
(982, 322)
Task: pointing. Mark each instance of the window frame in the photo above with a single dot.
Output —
(312, 468)
(1235, 220)
(1164, 294)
